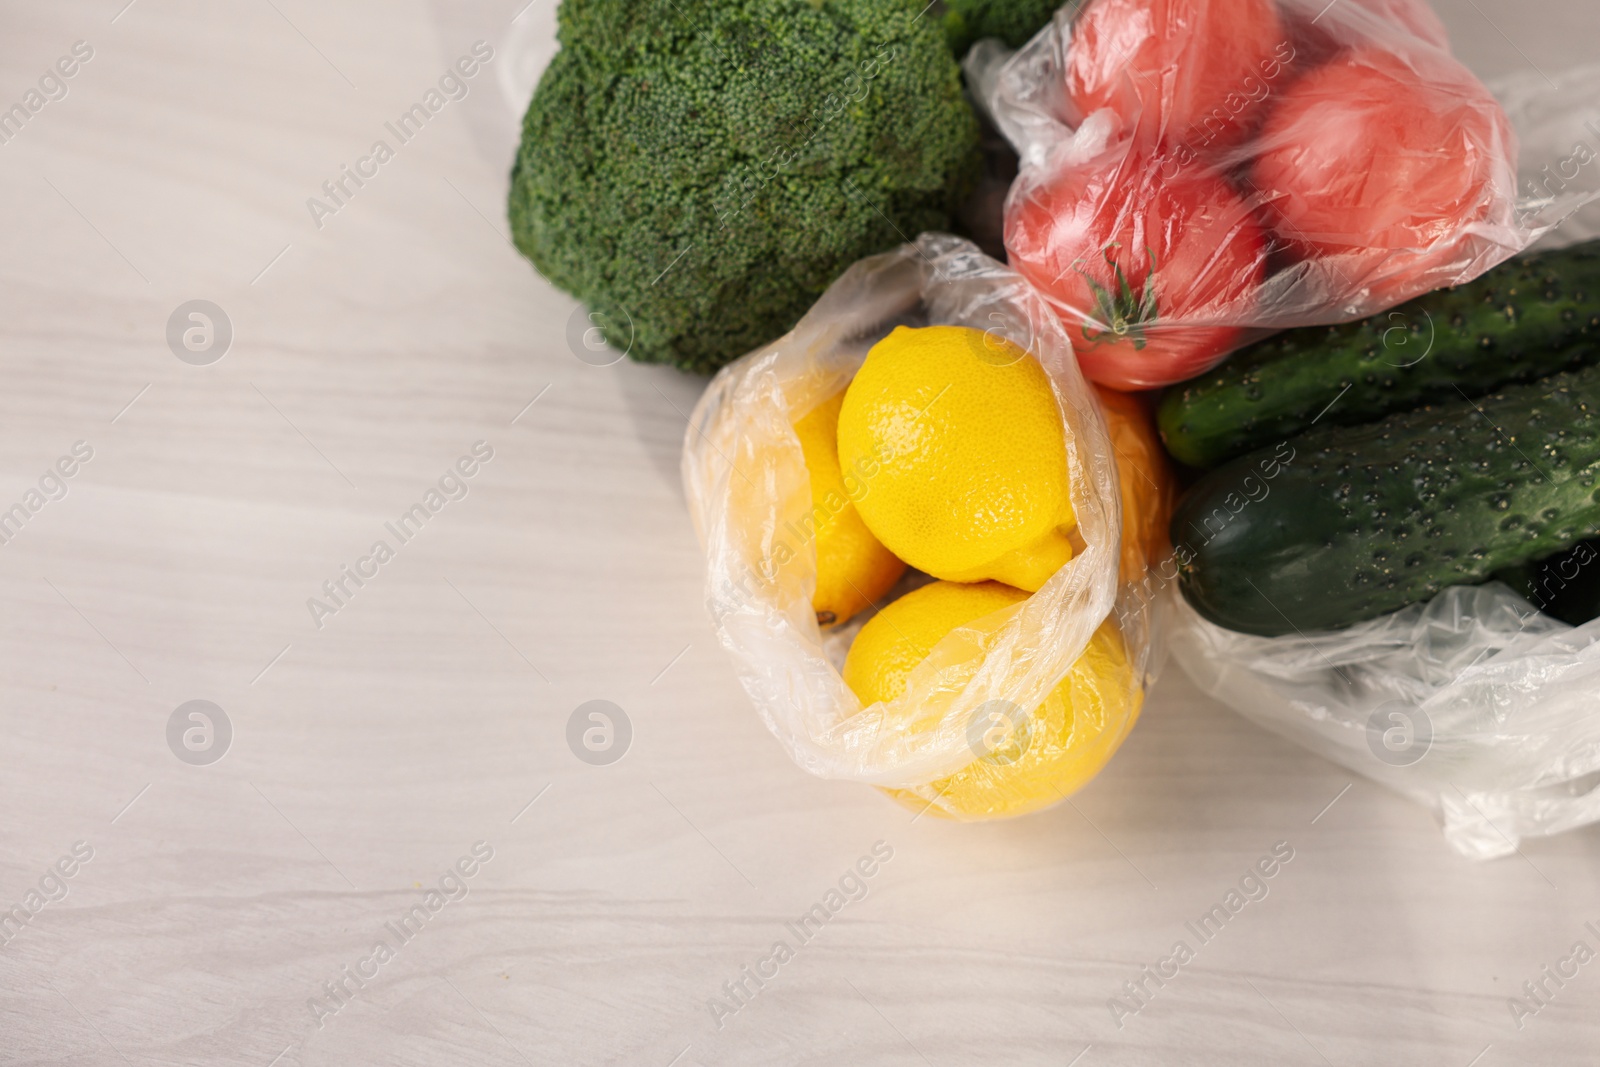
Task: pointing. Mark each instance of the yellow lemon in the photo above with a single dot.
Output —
(853, 567)
(966, 464)
(1021, 763)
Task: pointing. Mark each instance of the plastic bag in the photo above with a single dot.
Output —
(1198, 173)
(1559, 170)
(1475, 703)
(748, 493)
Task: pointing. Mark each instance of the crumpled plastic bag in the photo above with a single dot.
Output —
(1555, 119)
(1196, 174)
(1475, 703)
(748, 493)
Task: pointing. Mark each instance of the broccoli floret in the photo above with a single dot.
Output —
(698, 171)
(1013, 21)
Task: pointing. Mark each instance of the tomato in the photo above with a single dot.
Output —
(1186, 71)
(1373, 170)
(1152, 265)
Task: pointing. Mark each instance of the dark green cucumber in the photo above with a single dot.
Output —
(1531, 316)
(1346, 524)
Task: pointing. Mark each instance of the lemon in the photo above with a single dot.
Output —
(965, 462)
(1021, 763)
(853, 567)
(900, 636)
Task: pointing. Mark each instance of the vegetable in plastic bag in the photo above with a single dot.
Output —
(1197, 173)
(1533, 315)
(1476, 703)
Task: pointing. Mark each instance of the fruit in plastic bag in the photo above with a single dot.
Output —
(1145, 478)
(964, 434)
(1379, 168)
(853, 567)
(748, 492)
(1157, 269)
(1191, 68)
(1362, 164)
(1022, 762)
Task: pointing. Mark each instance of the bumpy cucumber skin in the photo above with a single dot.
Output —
(1358, 522)
(1526, 318)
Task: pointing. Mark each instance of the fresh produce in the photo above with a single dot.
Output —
(1022, 762)
(1187, 69)
(1213, 170)
(964, 454)
(853, 567)
(1529, 317)
(965, 431)
(1144, 478)
(1348, 523)
(1153, 271)
(1378, 170)
(1565, 586)
(698, 171)
(1013, 21)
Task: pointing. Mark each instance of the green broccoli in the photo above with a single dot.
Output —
(698, 171)
(1013, 21)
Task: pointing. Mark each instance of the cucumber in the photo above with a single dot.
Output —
(1530, 316)
(1342, 525)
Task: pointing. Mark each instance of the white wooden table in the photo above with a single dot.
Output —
(429, 712)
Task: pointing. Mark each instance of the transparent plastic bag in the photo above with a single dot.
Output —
(1559, 170)
(1196, 174)
(748, 493)
(1474, 704)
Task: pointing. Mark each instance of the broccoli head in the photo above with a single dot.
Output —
(1013, 21)
(697, 172)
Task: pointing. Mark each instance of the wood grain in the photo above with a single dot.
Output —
(371, 753)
